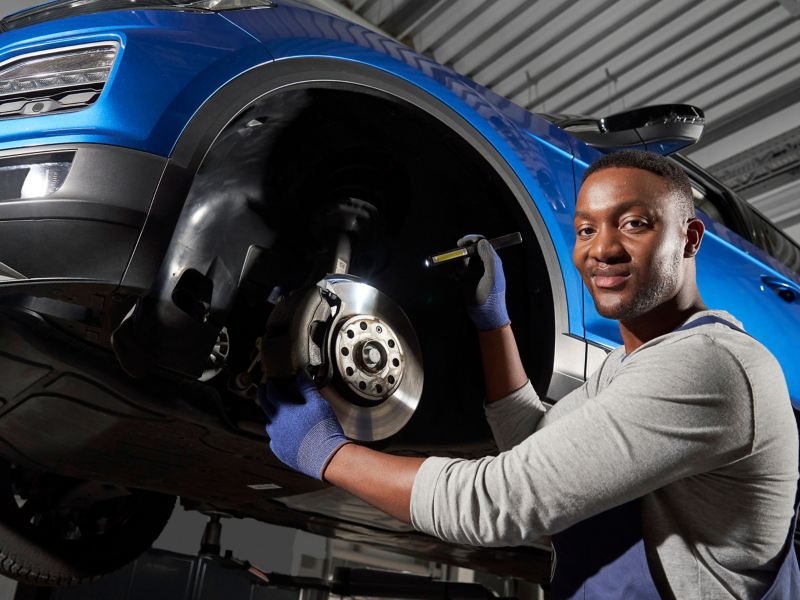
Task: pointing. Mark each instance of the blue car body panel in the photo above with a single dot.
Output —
(171, 62)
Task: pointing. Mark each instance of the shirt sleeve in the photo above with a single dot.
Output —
(666, 415)
(515, 417)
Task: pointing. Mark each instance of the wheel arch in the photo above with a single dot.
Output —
(145, 269)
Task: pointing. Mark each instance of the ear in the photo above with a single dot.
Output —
(694, 235)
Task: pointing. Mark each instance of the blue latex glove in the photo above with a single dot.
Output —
(485, 285)
(303, 435)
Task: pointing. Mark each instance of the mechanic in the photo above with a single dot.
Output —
(672, 472)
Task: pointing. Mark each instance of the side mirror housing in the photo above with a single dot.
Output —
(664, 128)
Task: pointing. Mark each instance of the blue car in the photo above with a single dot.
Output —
(196, 194)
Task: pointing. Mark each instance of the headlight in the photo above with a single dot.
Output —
(65, 79)
(33, 176)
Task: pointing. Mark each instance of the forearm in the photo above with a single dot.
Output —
(502, 365)
(381, 479)
(386, 481)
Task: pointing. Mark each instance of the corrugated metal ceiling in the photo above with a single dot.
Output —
(733, 58)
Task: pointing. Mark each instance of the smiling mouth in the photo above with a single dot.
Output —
(606, 282)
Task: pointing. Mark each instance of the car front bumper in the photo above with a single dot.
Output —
(85, 228)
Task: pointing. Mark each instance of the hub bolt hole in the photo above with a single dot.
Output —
(350, 334)
(363, 326)
(379, 388)
(395, 362)
(349, 371)
(390, 343)
(390, 379)
(362, 385)
(345, 351)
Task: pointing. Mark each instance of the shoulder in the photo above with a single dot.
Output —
(695, 350)
(711, 342)
(692, 368)
(684, 388)
(719, 340)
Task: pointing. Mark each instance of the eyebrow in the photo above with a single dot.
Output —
(619, 208)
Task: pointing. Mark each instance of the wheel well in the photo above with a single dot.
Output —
(430, 186)
(293, 152)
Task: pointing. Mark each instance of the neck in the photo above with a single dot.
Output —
(660, 320)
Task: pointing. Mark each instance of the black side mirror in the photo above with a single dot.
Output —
(663, 129)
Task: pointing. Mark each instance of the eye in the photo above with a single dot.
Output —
(634, 223)
(584, 231)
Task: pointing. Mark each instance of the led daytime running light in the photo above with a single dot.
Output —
(86, 67)
(66, 79)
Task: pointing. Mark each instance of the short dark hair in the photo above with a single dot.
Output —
(677, 181)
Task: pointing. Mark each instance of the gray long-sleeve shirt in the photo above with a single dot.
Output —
(697, 423)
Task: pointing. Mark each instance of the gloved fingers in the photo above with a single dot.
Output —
(485, 281)
(273, 447)
(493, 280)
(311, 393)
(302, 434)
(305, 386)
(470, 238)
(489, 257)
(472, 269)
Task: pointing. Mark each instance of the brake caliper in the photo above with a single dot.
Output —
(298, 333)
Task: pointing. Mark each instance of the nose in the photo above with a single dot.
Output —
(606, 245)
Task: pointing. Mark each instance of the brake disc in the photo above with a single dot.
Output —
(377, 361)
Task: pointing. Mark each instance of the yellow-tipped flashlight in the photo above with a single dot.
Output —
(512, 239)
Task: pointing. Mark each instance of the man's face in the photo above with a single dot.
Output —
(630, 239)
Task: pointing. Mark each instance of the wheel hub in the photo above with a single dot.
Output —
(369, 357)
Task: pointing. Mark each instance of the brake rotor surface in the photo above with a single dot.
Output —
(377, 362)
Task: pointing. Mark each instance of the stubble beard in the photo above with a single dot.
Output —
(661, 288)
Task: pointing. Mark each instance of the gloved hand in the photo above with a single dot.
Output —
(485, 285)
(303, 435)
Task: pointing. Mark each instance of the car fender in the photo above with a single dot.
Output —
(169, 64)
(541, 182)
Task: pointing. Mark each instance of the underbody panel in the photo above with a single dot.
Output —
(69, 410)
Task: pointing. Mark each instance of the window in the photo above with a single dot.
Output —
(703, 202)
(711, 198)
(777, 243)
